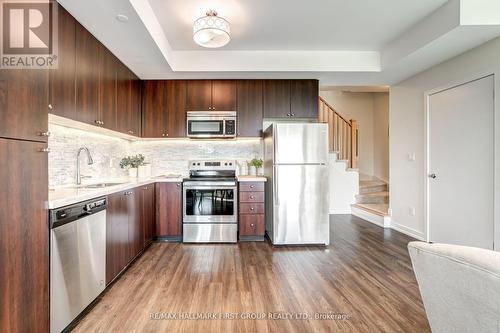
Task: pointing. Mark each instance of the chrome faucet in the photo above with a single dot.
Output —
(90, 161)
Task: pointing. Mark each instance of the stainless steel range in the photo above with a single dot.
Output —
(210, 205)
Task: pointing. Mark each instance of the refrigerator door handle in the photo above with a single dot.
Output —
(275, 189)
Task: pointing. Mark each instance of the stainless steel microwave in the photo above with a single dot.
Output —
(211, 124)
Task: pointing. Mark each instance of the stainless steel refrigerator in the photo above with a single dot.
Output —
(297, 193)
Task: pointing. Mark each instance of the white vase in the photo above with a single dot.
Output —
(260, 171)
(252, 170)
(144, 171)
(132, 173)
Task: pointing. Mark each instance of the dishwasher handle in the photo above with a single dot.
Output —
(67, 214)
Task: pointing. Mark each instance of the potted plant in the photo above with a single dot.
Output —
(255, 165)
(131, 163)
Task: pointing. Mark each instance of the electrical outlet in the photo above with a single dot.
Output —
(411, 157)
(411, 211)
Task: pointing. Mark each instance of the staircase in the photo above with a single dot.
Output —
(372, 202)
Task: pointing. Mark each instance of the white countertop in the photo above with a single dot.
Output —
(252, 179)
(68, 195)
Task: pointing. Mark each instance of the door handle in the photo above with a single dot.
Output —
(432, 175)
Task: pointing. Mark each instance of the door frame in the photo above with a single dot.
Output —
(496, 136)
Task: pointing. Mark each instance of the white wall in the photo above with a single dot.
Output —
(371, 110)
(381, 136)
(407, 132)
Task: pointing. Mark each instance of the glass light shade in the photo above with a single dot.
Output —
(211, 31)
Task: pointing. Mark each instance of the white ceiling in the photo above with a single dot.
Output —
(339, 42)
(295, 25)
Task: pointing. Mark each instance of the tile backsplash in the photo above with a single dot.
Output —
(165, 156)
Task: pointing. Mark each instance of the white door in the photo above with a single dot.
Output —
(461, 165)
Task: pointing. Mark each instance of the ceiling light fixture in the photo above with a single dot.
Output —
(211, 30)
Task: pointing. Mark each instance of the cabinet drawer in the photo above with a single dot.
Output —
(252, 225)
(252, 187)
(251, 208)
(251, 196)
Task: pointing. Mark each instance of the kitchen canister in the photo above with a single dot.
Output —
(144, 171)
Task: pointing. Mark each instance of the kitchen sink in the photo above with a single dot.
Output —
(99, 185)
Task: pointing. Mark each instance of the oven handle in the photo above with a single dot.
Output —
(210, 184)
(200, 187)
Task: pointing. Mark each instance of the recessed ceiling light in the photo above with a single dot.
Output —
(211, 30)
(122, 18)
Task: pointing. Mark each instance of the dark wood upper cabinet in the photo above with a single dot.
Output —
(176, 108)
(154, 108)
(276, 98)
(88, 49)
(62, 79)
(304, 98)
(148, 213)
(211, 95)
(107, 89)
(24, 97)
(199, 95)
(168, 209)
(136, 107)
(223, 95)
(24, 249)
(249, 107)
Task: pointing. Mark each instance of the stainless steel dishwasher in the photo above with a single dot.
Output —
(77, 259)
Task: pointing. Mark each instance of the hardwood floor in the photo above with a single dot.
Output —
(365, 274)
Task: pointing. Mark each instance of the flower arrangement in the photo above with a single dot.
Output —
(130, 162)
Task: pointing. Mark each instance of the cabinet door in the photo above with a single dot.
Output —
(107, 89)
(223, 95)
(24, 248)
(276, 98)
(304, 96)
(62, 79)
(87, 76)
(168, 209)
(148, 213)
(176, 108)
(117, 253)
(135, 228)
(24, 104)
(135, 107)
(252, 225)
(199, 95)
(124, 98)
(249, 107)
(154, 108)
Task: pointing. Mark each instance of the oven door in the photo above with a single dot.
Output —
(210, 203)
(205, 127)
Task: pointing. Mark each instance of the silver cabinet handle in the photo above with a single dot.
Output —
(432, 175)
(45, 150)
(51, 107)
(252, 225)
(178, 185)
(252, 186)
(44, 133)
(252, 197)
(130, 132)
(252, 208)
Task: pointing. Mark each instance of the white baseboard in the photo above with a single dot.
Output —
(340, 210)
(381, 221)
(408, 231)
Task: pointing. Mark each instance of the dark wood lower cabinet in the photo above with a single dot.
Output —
(117, 252)
(169, 210)
(148, 213)
(129, 227)
(24, 244)
(252, 219)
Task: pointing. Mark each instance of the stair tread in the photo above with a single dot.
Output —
(371, 183)
(374, 194)
(378, 209)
